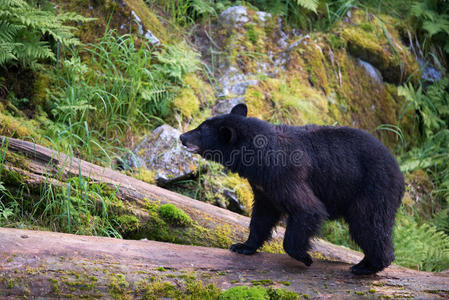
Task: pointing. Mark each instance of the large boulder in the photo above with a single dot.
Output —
(162, 153)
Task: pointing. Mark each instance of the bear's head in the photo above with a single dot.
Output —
(217, 137)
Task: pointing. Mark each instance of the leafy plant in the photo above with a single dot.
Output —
(433, 18)
(421, 246)
(175, 61)
(26, 33)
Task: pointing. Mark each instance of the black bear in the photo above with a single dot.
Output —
(308, 173)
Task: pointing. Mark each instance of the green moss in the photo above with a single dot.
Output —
(264, 282)
(188, 289)
(187, 103)
(251, 33)
(242, 189)
(367, 27)
(18, 128)
(118, 286)
(149, 19)
(258, 106)
(378, 42)
(244, 292)
(221, 236)
(314, 61)
(335, 41)
(12, 178)
(202, 90)
(128, 223)
(174, 215)
(41, 85)
(145, 175)
(281, 294)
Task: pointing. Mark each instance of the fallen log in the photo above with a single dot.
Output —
(49, 264)
(218, 227)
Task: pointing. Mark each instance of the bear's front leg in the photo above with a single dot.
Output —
(264, 217)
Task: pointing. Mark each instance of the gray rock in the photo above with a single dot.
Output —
(162, 152)
(234, 16)
(372, 71)
(239, 88)
(224, 106)
(148, 34)
(263, 16)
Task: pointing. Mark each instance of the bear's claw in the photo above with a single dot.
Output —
(243, 249)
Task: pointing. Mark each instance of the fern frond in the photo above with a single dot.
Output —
(6, 53)
(22, 27)
(309, 4)
(8, 31)
(441, 24)
(421, 247)
(421, 10)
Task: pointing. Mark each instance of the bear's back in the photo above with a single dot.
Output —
(345, 163)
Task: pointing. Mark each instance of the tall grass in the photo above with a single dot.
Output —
(124, 87)
(79, 205)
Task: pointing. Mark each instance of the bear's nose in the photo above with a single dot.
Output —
(182, 137)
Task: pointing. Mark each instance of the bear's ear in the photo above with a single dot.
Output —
(228, 134)
(240, 109)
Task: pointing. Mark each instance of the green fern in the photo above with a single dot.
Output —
(433, 18)
(22, 28)
(421, 246)
(309, 4)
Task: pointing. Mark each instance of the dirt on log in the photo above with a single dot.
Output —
(43, 165)
(49, 264)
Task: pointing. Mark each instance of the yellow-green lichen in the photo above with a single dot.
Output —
(145, 175)
(187, 103)
(202, 89)
(273, 246)
(242, 189)
(18, 127)
(221, 236)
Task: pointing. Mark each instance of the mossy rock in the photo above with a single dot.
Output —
(187, 103)
(18, 127)
(377, 41)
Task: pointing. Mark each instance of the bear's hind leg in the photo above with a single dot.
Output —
(300, 227)
(373, 233)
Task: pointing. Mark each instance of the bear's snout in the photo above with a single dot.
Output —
(182, 137)
(189, 141)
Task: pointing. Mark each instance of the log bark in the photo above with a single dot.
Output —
(48, 264)
(44, 164)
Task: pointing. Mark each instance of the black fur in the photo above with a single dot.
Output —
(308, 173)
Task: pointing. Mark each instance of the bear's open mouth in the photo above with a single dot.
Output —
(192, 148)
